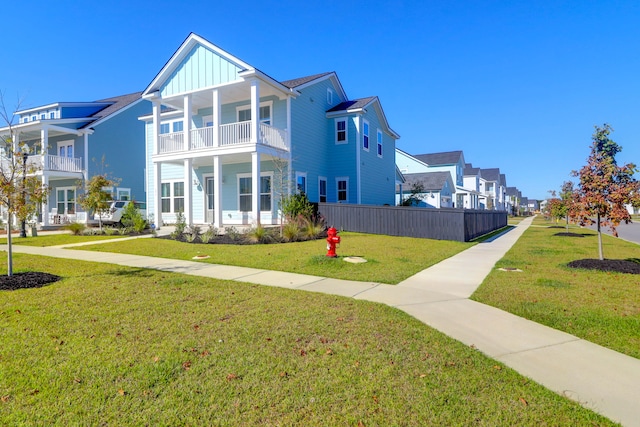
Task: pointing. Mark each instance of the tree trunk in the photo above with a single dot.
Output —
(599, 239)
(9, 249)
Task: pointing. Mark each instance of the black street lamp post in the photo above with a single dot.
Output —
(25, 156)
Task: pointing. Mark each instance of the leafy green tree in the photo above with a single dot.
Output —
(605, 188)
(416, 195)
(95, 198)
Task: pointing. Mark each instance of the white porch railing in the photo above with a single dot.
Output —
(171, 142)
(235, 133)
(51, 163)
(58, 163)
(230, 134)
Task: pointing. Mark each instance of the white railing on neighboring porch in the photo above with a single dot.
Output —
(51, 163)
(230, 134)
(170, 142)
(63, 164)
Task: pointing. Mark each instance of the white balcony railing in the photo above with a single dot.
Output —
(62, 164)
(229, 134)
(171, 142)
(51, 163)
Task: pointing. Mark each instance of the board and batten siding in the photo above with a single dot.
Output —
(200, 68)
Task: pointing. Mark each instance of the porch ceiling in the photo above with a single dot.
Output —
(236, 92)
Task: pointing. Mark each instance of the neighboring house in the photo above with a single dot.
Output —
(438, 189)
(225, 141)
(449, 161)
(494, 188)
(71, 141)
(472, 177)
(514, 196)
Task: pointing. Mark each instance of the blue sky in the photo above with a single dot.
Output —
(517, 85)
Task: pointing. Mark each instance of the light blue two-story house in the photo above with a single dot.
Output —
(69, 142)
(225, 141)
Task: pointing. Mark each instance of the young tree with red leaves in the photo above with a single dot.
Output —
(604, 188)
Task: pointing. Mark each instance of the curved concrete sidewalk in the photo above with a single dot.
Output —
(598, 378)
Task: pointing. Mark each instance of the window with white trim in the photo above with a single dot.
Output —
(65, 149)
(66, 200)
(365, 135)
(301, 182)
(342, 189)
(379, 140)
(172, 197)
(341, 130)
(322, 189)
(164, 128)
(244, 113)
(52, 115)
(43, 116)
(245, 185)
(178, 126)
(33, 118)
(123, 194)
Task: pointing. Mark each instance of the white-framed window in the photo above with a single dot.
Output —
(341, 130)
(342, 189)
(172, 197)
(244, 112)
(164, 128)
(365, 135)
(123, 193)
(245, 186)
(207, 121)
(322, 189)
(52, 115)
(65, 149)
(329, 96)
(43, 116)
(178, 126)
(34, 118)
(301, 182)
(66, 200)
(379, 141)
(25, 119)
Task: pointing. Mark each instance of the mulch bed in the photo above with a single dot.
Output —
(30, 279)
(615, 265)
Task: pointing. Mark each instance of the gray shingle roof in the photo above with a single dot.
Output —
(432, 181)
(352, 105)
(293, 83)
(491, 174)
(118, 103)
(471, 171)
(445, 158)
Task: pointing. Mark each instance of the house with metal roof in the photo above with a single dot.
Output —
(69, 142)
(225, 141)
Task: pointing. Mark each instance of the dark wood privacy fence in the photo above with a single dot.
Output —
(442, 224)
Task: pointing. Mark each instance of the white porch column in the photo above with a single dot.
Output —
(44, 144)
(157, 199)
(188, 191)
(255, 111)
(216, 119)
(45, 205)
(255, 187)
(217, 192)
(156, 127)
(358, 122)
(290, 157)
(85, 166)
(187, 122)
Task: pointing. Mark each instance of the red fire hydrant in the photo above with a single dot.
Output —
(332, 240)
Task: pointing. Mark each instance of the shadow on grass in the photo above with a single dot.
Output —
(490, 237)
(565, 234)
(137, 272)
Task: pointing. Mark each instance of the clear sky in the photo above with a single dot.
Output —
(517, 85)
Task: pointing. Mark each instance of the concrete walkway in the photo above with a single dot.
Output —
(600, 379)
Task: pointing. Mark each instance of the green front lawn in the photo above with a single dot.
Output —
(390, 259)
(111, 345)
(55, 239)
(601, 307)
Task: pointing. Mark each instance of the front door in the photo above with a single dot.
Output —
(208, 203)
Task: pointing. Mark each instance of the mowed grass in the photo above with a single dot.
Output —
(56, 239)
(389, 259)
(601, 307)
(111, 345)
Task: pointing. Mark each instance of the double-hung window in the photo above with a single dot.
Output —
(341, 131)
(365, 135)
(65, 149)
(244, 114)
(178, 126)
(379, 139)
(245, 187)
(164, 128)
(172, 197)
(66, 201)
(342, 186)
(322, 189)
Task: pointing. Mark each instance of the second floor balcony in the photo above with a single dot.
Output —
(49, 162)
(228, 135)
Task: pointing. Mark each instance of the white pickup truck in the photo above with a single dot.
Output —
(114, 214)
